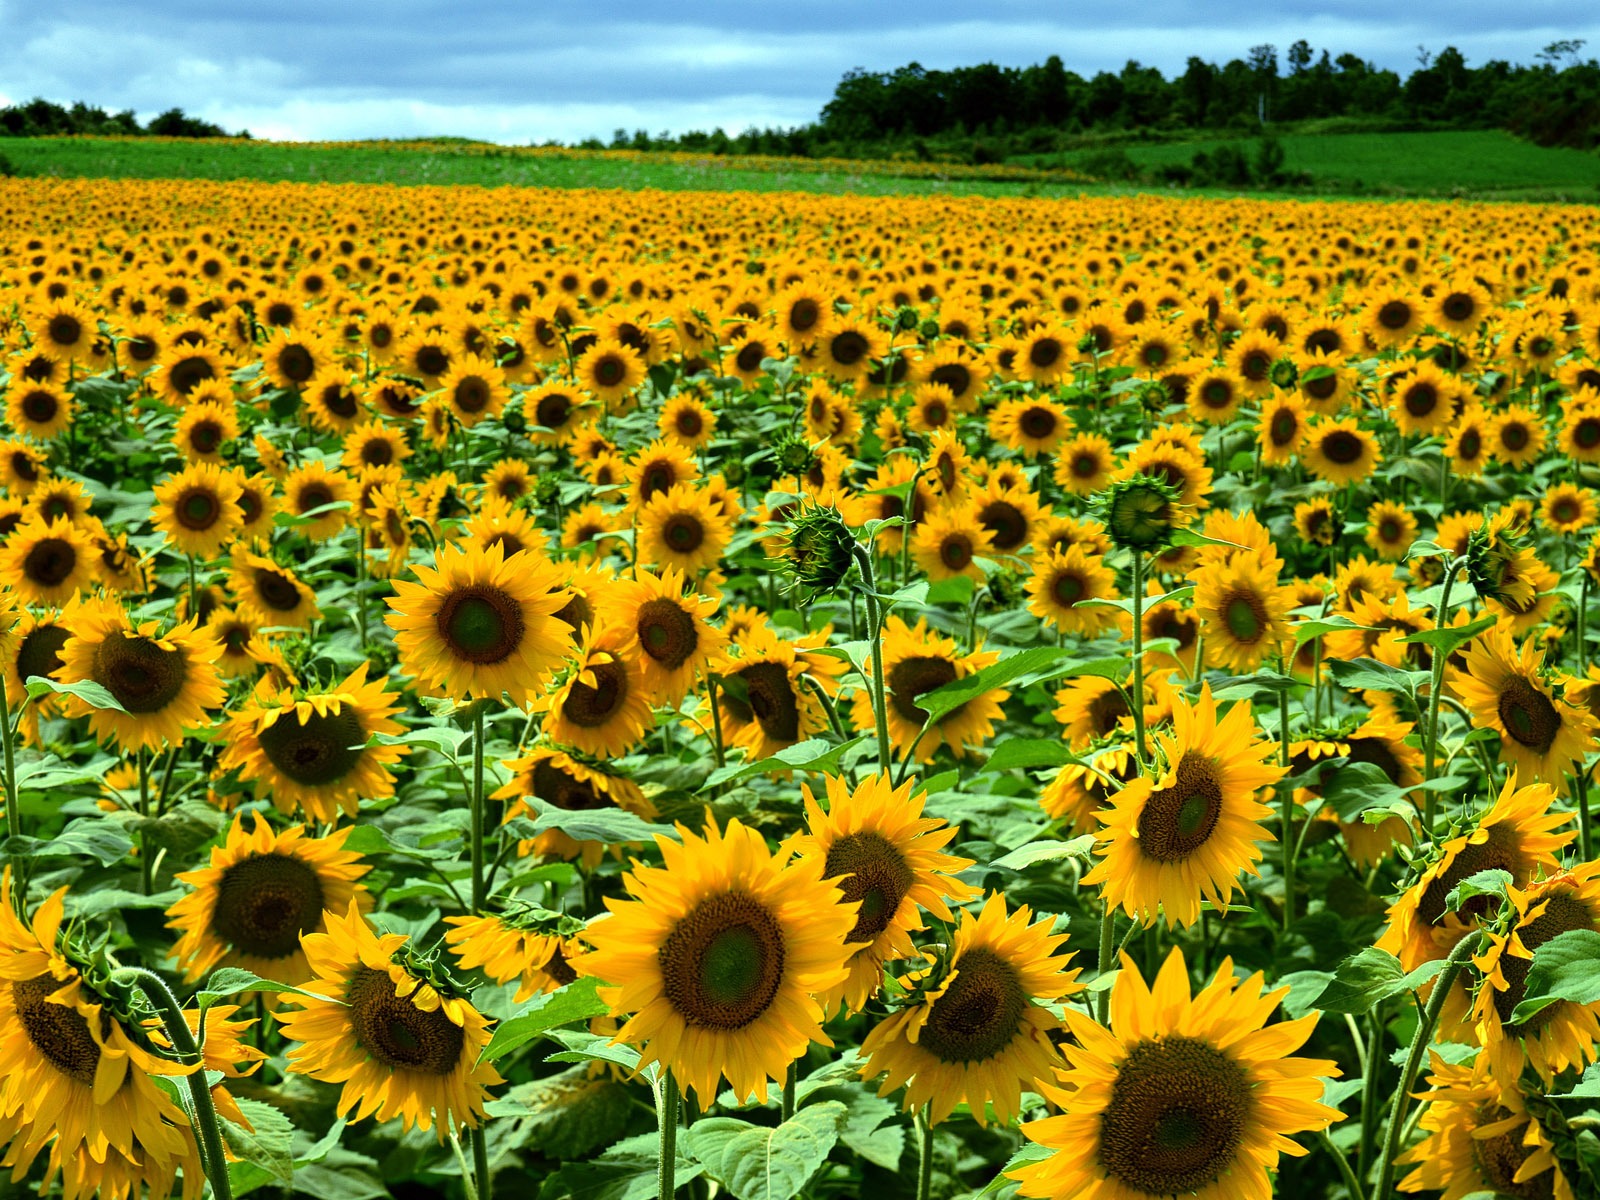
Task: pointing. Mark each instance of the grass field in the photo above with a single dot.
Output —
(1486, 165)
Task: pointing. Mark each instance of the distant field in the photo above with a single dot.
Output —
(1485, 165)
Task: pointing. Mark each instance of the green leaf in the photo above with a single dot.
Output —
(1029, 752)
(757, 1162)
(103, 840)
(613, 826)
(43, 771)
(1045, 662)
(1317, 373)
(90, 692)
(568, 1116)
(577, 1001)
(1001, 1185)
(1567, 967)
(1451, 636)
(1251, 685)
(1368, 674)
(232, 981)
(817, 755)
(583, 1046)
(1046, 851)
(288, 520)
(1188, 537)
(1307, 631)
(625, 1171)
(1175, 596)
(1368, 978)
(265, 1146)
(957, 589)
(1422, 548)
(1492, 882)
(1355, 787)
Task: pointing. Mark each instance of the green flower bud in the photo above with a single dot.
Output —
(1141, 513)
(820, 549)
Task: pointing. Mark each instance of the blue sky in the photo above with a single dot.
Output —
(515, 72)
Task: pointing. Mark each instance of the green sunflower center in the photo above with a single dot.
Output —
(1177, 821)
(1243, 614)
(723, 963)
(667, 632)
(198, 510)
(1528, 714)
(481, 624)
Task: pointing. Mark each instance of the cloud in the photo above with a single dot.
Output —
(497, 69)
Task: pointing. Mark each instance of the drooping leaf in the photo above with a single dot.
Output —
(759, 1162)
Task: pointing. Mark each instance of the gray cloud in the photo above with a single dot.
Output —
(493, 69)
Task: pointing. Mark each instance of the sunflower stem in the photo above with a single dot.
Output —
(880, 711)
(667, 1122)
(1286, 801)
(1583, 633)
(13, 813)
(716, 721)
(1369, 1096)
(1419, 1045)
(1108, 929)
(477, 807)
(1351, 1183)
(361, 585)
(480, 1161)
(194, 591)
(203, 1114)
(790, 1077)
(1430, 743)
(1137, 600)
(925, 1158)
(146, 874)
(1581, 782)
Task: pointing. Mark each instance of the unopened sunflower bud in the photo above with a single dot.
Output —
(1141, 513)
(1498, 565)
(928, 330)
(906, 319)
(793, 454)
(820, 549)
(1284, 373)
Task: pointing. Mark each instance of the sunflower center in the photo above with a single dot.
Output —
(322, 750)
(472, 394)
(50, 562)
(40, 407)
(1564, 510)
(1377, 752)
(1342, 448)
(1457, 306)
(911, 677)
(1562, 913)
(979, 1014)
(340, 402)
(1045, 352)
(666, 632)
(276, 590)
(877, 876)
(1421, 399)
(1255, 365)
(552, 411)
(804, 314)
(1176, 821)
(1502, 850)
(1244, 616)
(591, 707)
(40, 652)
(722, 964)
(205, 437)
(1586, 432)
(377, 452)
(1283, 427)
(688, 423)
(683, 533)
(1037, 423)
(1067, 589)
(1086, 465)
(65, 329)
(1501, 1157)
(566, 792)
(198, 510)
(480, 623)
(610, 371)
(1528, 715)
(143, 676)
(264, 904)
(773, 702)
(954, 376)
(1322, 387)
(955, 551)
(189, 373)
(432, 360)
(58, 1032)
(848, 348)
(313, 496)
(396, 1032)
(1176, 1118)
(1515, 436)
(1395, 315)
(297, 364)
(1005, 521)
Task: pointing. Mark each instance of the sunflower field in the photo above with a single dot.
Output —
(617, 695)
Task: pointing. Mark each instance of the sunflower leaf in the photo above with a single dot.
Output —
(817, 755)
(263, 1151)
(1567, 967)
(1030, 752)
(1368, 674)
(613, 826)
(1042, 662)
(1362, 982)
(233, 981)
(1051, 850)
(577, 1001)
(1447, 639)
(1188, 537)
(758, 1162)
(90, 692)
(1493, 882)
(1310, 630)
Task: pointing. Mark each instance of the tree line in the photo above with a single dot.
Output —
(45, 118)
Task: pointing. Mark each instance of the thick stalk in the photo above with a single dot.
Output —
(925, 1158)
(480, 1161)
(1286, 802)
(1430, 743)
(13, 813)
(477, 808)
(1369, 1095)
(880, 711)
(790, 1078)
(1352, 1185)
(146, 869)
(1108, 928)
(716, 721)
(207, 1129)
(1419, 1045)
(361, 584)
(667, 1122)
(1137, 599)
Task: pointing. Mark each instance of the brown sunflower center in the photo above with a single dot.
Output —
(1500, 1158)
(341, 402)
(1176, 821)
(40, 406)
(1037, 423)
(1376, 751)
(1045, 352)
(1283, 427)
(979, 1014)
(143, 676)
(1469, 445)
(1343, 448)
(1107, 710)
(722, 964)
(804, 314)
(1565, 510)
(265, 902)
(198, 509)
(1067, 588)
(772, 701)
(592, 706)
(205, 436)
(609, 371)
(1005, 522)
(58, 1032)
(1514, 435)
(666, 632)
(377, 452)
(955, 551)
(1255, 365)
(1501, 850)
(848, 348)
(1458, 306)
(1086, 464)
(322, 750)
(472, 394)
(480, 623)
(189, 373)
(877, 875)
(1528, 714)
(276, 590)
(1421, 399)
(1177, 1115)
(65, 329)
(552, 410)
(911, 677)
(567, 792)
(1395, 315)
(297, 364)
(396, 1032)
(432, 360)
(1563, 912)
(954, 376)
(40, 652)
(50, 562)
(577, 612)
(313, 496)
(683, 533)
(1322, 387)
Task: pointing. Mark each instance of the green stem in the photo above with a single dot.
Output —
(880, 711)
(716, 721)
(1286, 802)
(667, 1122)
(207, 1129)
(925, 1159)
(1581, 782)
(1352, 1185)
(790, 1077)
(1430, 741)
(1419, 1044)
(480, 1161)
(1369, 1096)
(194, 591)
(13, 813)
(1108, 928)
(146, 870)
(1137, 600)
(1583, 633)
(477, 807)
(361, 584)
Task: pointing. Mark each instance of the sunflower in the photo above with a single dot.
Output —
(38, 409)
(1424, 399)
(802, 313)
(1175, 464)
(316, 751)
(1215, 396)
(260, 893)
(1032, 426)
(1480, 1139)
(1381, 741)
(1084, 464)
(479, 624)
(1242, 611)
(1390, 529)
(1468, 445)
(765, 704)
(373, 444)
(1093, 707)
(1169, 842)
(499, 524)
(1567, 509)
(270, 594)
(563, 782)
(1517, 835)
(891, 861)
(1008, 509)
(1541, 737)
(312, 489)
(682, 528)
(610, 371)
(504, 950)
(1250, 357)
(668, 628)
(400, 1045)
(950, 541)
(976, 1028)
(717, 958)
(949, 465)
(68, 1066)
(686, 420)
(22, 466)
(1183, 1095)
(603, 706)
(166, 682)
(66, 499)
(237, 637)
(48, 562)
(121, 567)
(31, 649)
(291, 360)
(957, 368)
(64, 330)
(198, 509)
(426, 355)
(333, 402)
(474, 388)
(918, 660)
(1391, 317)
(1459, 306)
(848, 350)
(1282, 428)
(1516, 436)
(1340, 451)
(203, 430)
(1044, 355)
(658, 468)
(1061, 581)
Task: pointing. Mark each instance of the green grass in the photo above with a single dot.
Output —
(1485, 164)
(452, 163)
